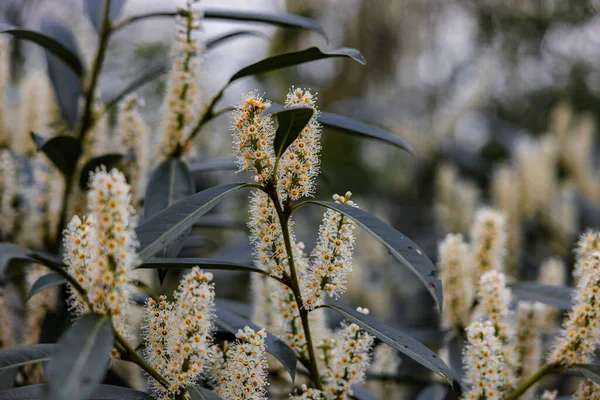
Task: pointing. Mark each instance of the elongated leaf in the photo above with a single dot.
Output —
(590, 371)
(47, 281)
(396, 339)
(290, 124)
(214, 42)
(232, 322)
(402, 248)
(213, 165)
(15, 357)
(359, 392)
(455, 351)
(7, 378)
(144, 78)
(204, 263)
(63, 151)
(65, 81)
(95, 10)
(65, 54)
(10, 251)
(283, 20)
(220, 221)
(81, 360)
(353, 126)
(159, 230)
(557, 296)
(101, 392)
(433, 392)
(296, 58)
(108, 160)
(200, 393)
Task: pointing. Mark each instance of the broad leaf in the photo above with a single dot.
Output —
(108, 160)
(296, 58)
(557, 296)
(590, 371)
(170, 183)
(101, 392)
(213, 165)
(396, 339)
(158, 231)
(232, 322)
(433, 391)
(63, 151)
(144, 78)
(214, 42)
(52, 279)
(13, 358)
(402, 248)
(95, 10)
(10, 251)
(359, 392)
(291, 122)
(219, 221)
(455, 352)
(66, 82)
(353, 126)
(7, 378)
(81, 361)
(197, 392)
(65, 54)
(203, 263)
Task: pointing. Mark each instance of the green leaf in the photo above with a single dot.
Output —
(81, 360)
(353, 126)
(7, 378)
(144, 78)
(66, 83)
(433, 391)
(213, 165)
(359, 392)
(200, 393)
(101, 392)
(402, 248)
(232, 322)
(63, 151)
(71, 59)
(204, 263)
(52, 279)
(590, 371)
(214, 42)
(396, 339)
(13, 358)
(557, 296)
(108, 160)
(291, 122)
(220, 222)
(455, 351)
(170, 183)
(10, 251)
(162, 228)
(296, 58)
(95, 10)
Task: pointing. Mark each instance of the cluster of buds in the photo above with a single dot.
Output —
(8, 193)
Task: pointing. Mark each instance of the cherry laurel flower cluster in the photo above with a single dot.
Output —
(8, 193)
(100, 250)
(178, 335)
(489, 242)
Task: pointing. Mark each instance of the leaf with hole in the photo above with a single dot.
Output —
(232, 322)
(81, 360)
(66, 83)
(197, 392)
(402, 248)
(110, 161)
(296, 58)
(290, 122)
(557, 296)
(63, 151)
(101, 392)
(158, 231)
(95, 10)
(396, 339)
(47, 281)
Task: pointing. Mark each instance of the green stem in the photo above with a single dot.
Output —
(532, 380)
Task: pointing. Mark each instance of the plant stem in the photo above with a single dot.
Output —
(295, 286)
(532, 380)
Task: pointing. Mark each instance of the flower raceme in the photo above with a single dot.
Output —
(489, 242)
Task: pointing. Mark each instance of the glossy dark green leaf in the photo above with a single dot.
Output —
(557, 296)
(203, 263)
(433, 391)
(95, 10)
(455, 352)
(590, 371)
(70, 58)
(291, 122)
(108, 160)
(7, 379)
(101, 392)
(214, 42)
(353, 126)
(297, 58)
(66, 83)
(10, 251)
(213, 165)
(13, 358)
(81, 360)
(47, 281)
(402, 248)
(359, 392)
(396, 339)
(63, 151)
(220, 222)
(167, 225)
(201, 393)
(144, 78)
(170, 183)
(229, 320)
(278, 19)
